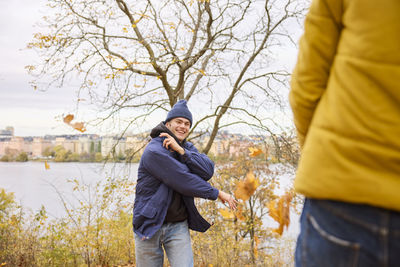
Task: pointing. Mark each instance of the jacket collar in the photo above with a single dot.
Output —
(161, 128)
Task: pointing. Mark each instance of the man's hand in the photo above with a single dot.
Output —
(225, 197)
(170, 143)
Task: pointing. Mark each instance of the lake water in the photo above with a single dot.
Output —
(34, 186)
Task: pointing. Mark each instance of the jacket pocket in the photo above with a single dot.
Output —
(148, 211)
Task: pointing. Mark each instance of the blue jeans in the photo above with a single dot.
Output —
(175, 239)
(342, 234)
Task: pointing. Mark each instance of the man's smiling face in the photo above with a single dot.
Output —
(179, 127)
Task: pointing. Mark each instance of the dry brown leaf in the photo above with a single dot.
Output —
(279, 210)
(254, 151)
(245, 189)
(239, 213)
(68, 118)
(80, 126)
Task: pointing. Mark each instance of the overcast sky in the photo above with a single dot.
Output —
(30, 112)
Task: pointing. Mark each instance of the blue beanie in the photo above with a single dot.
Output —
(180, 109)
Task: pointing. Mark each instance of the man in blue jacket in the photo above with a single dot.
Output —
(171, 173)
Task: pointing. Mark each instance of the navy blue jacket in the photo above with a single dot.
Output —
(161, 172)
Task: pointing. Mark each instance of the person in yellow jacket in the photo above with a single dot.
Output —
(345, 97)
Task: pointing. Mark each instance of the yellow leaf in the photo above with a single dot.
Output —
(254, 151)
(133, 25)
(68, 118)
(46, 165)
(245, 189)
(124, 29)
(226, 214)
(202, 72)
(30, 67)
(279, 210)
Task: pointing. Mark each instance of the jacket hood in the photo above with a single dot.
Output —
(161, 128)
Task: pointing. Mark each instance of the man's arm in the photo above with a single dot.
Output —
(198, 163)
(177, 175)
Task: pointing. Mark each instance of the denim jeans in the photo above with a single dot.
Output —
(174, 238)
(342, 234)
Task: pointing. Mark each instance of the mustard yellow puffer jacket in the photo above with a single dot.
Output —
(345, 97)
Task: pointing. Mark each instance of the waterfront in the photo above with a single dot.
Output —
(34, 186)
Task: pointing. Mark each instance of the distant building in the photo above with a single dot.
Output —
(3, 145)
(132, 147)
(15, 145)
(113, 146)
(68, 144)
(83, 145)
(39, 145)
(136, 144)
(8, 132)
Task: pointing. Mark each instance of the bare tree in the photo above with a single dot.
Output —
(145, 55)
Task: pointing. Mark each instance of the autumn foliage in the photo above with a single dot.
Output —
(247, 236)
(97, 227)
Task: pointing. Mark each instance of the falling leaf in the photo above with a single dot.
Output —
(68, 118)
(226, 214)
(254, 151)
(124, 29)
(245, 189)
(79, 126)
(239, 213)
(279, 210)
(46, 165)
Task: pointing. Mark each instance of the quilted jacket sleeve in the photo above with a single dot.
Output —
(317, 50)
(198, 163)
